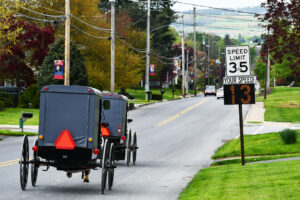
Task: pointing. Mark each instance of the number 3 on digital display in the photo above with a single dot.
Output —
(246, 93)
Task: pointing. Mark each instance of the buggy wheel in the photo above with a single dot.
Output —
(135, 148)
(105, 163)
(34, 166)
(24, 163)
(111, 170)
(128, 152)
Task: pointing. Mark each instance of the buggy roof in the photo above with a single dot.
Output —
(71, 89)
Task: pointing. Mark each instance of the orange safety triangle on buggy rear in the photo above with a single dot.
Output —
(104, 131)
(65, 141)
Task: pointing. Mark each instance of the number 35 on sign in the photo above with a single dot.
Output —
(237, 61)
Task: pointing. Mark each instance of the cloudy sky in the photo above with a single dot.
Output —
(218, 3)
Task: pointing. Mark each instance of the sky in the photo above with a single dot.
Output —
(218, 3)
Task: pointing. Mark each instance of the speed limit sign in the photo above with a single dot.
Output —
(237, 61)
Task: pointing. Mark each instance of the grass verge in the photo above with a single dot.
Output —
(258, 145)
(254, 159)
(139, 94)
(277, 180)
(16, 133)
(11, 116)
(283, 105)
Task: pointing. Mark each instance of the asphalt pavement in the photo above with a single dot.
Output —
(176, 139)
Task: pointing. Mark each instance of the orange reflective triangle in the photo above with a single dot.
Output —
(65, 141)
(104, 131)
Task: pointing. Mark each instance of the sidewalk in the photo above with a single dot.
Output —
(255, 123)
(27, 128)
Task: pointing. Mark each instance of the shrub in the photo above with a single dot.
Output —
(288, 136)
(2, 105)
(30, 98)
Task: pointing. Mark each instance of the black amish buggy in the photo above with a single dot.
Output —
(69, 137)
(114, 126)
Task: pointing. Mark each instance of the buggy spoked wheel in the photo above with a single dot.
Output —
(105, 163)
(34, 166)
(24, 163)
(134, 148)
(111, 170)
(128, 152)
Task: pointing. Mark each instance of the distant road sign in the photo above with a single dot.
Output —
(237, 61)
(228, 80)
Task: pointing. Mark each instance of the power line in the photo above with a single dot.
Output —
(47, 8)
(214, 16)
(100, 29)
(210, 7)
(46, 15)
(211, 26)
(78, 29)
(132, 47)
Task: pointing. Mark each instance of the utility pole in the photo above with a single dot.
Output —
(220, 73)
(182, 58)
(268, 70)
(195, 53)
(187, 72)
(112, 57)
(147, 53)
(67, 44)
(208, 61)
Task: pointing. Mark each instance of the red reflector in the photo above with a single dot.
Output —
(104, 131)
(115, 95)
(110, 94)
(123, 138)
(120, 97)
(46, 88)
(105, 94)
(34, 148)
(65, 141)
(89, 90)
(96, 151)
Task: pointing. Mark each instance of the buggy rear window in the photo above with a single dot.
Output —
(106, 104)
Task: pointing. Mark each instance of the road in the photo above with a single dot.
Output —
(176, 140)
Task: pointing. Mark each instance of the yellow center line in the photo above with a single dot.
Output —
(181, 113)
(11, 162)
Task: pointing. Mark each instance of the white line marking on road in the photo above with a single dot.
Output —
(180, 113)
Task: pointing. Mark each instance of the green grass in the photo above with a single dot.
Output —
(254, 159)
(283, 105)
(257, 145)
(11, 116)
(269, 181)
(139, 95)
(16, 133)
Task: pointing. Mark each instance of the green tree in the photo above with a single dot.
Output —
(78, 72)
(284, 32)
(8, 37)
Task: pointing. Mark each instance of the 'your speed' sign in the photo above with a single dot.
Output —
(237, 61)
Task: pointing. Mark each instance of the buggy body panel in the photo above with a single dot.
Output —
(72, 108)
(116, 115)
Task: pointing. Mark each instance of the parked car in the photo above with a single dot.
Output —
(210, 90)
(220, 93)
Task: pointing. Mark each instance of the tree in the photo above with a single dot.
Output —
(27, 52)
(162, 16)
(8, 36)
(78, 72)
(129, 64)
(284, 32)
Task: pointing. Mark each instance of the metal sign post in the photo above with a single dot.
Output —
(239, 84)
